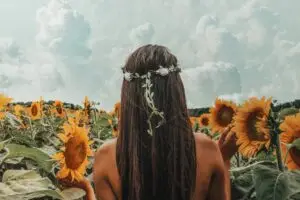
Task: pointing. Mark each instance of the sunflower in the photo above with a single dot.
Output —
(222, 115)
(73, 159)
(19, 110)
(80, 118)
(251, 126)
(194, 121)
(35, 111)
(290, 128)
(204, 120)
(4, 101)
(58, 109)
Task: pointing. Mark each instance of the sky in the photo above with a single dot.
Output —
(68, 49)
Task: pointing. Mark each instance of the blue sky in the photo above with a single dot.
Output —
(229, 48)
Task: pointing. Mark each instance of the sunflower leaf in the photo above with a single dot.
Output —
(272, 184)
(11, 175)
(2, 143)
(241, 170)
(25, 185)
(23, 139)
(241, 181)
(13, 120)
(73, 193)
(14, 160)
(41, 158)
(103, 122)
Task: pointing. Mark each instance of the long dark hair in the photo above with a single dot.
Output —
(161, 166)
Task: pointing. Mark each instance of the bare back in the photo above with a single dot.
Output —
(210, 180)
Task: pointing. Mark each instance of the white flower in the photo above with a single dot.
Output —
(128, 76)
(163, 71)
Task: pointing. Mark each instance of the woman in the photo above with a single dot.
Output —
(157, 156)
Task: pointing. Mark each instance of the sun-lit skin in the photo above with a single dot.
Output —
(73, 159)
(290, 128)
(222, 115)
(251, 126)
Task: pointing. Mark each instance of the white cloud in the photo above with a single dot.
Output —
(63, 30)
(231, 49)
(143, 34)
(204, 83)
(10, 51)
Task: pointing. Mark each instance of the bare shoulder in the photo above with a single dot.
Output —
(107, 146)
(104, 170)
(105, 152)
(205, 143)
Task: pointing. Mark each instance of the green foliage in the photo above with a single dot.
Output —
(42, 159)
(272, 184)
(28, 184)
(25, 185)
(28, 172)
(263, 180)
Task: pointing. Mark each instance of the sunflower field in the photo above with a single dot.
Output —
(44, 142)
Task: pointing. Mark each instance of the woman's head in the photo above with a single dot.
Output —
(150, 57)
(168, 91)
(160, 165)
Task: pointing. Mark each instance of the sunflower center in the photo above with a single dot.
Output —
(59, 109)
(75, 153)
(295, 154)
(34, 110)
(253, 134)
(225, 116)
(205, 121)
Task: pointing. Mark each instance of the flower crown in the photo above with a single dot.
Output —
(162, 71)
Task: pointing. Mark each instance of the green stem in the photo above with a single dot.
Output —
(278, 153)
(238, 159)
